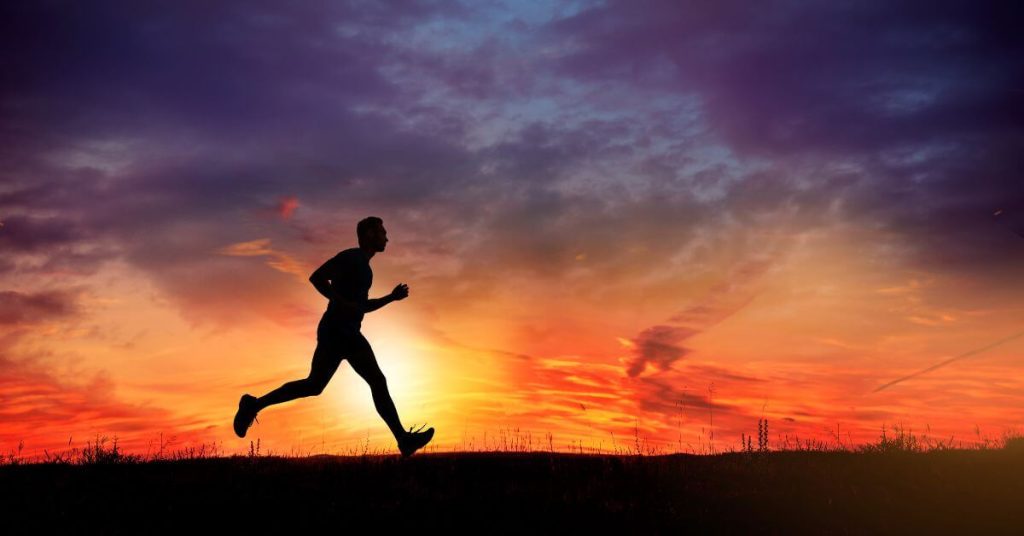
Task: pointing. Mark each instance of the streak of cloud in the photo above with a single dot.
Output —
(999, 217)
(278, 260)
(948, 361)
(28, 308)
(661, 345)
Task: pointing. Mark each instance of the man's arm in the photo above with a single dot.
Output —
(377, 303)
(325, 286)
(400, 293)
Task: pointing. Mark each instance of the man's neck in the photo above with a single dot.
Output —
(368, 252)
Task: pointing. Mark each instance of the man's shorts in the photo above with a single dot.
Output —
(342, 339)
(335, 345)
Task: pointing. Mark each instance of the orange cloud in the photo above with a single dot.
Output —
(279, 261)
(41, 411)
(286, 205)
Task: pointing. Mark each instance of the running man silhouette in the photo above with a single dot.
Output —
(345, 281)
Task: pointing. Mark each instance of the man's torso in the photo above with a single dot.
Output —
(351, 277)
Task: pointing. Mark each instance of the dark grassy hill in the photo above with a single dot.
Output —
(944, 492)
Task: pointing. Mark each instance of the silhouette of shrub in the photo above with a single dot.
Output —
(1014, 443)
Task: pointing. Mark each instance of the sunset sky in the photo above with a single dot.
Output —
(616, 219)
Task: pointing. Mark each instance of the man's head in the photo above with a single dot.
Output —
(371, 233)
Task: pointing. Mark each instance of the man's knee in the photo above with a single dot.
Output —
(315, 387)
(377, 382)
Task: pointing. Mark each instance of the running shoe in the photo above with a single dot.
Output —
(415, 440)
(246, 413)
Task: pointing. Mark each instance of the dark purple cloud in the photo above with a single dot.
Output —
(146, 128)
(659, 345)
(27, 233)
(29, 308)
(662, 396)
(513, 139)
(919, 100)
(785, 76)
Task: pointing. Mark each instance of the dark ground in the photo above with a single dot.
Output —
(939, 492)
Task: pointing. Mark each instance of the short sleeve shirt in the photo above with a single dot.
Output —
(350, 275)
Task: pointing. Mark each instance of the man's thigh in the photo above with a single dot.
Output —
(360, 355)
(326, 359)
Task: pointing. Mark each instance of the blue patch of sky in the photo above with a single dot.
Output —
(907, 100)
(645, 106)
(510, 22)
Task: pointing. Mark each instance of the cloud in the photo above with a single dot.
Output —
(286, 206)
(948, 361)
(279, 261)
(28, 234)
(640, 139)
(602, 127)
(919, 108)
(661, 395)
(660, 345)
(807, 75)
(41, 410)
(20, 308)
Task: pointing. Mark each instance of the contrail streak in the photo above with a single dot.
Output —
(948, 361)
(996, 216)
